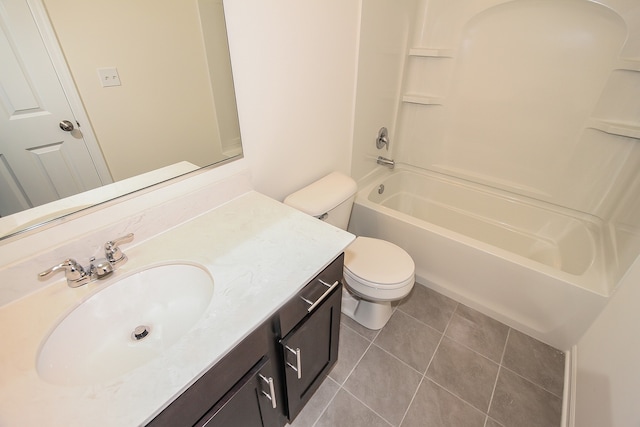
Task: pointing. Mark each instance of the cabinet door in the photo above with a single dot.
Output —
(215, 385)
(310, 350)
(250, 403)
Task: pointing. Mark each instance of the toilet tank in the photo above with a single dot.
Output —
(332, 195)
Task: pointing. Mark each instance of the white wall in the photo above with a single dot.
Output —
(294, 70)
(385, 33)
(294, 66)
(608, 373)
(163, 110)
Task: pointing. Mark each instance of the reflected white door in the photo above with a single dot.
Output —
(39, 162)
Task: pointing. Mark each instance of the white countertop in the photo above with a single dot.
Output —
(259, 253)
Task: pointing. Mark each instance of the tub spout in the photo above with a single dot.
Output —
(386, 162)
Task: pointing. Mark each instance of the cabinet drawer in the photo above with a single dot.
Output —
(317, 289)
(309, 352)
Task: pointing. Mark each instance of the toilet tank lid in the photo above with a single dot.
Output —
(323, 195)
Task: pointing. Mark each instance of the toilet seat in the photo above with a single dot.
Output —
(375, 272)
(378, 264)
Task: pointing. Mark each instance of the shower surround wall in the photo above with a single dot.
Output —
(538, 98)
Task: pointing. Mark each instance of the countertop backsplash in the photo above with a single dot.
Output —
(82, 237)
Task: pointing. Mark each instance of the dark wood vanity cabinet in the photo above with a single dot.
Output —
(309, 347)
(251, 402)
(233, 383)
(266, 379)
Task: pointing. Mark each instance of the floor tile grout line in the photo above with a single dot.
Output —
(423, 323)
(485, 413)
(415, 393)
(398, 359)
(471, 349)
(532, 383)
(423, 374)
(432, 356)
(367, 406)
(341, 385)
(494, 421)
(495, 383)
(522, 376)
(328, 403)
(456, 395)
(356, 364)
(366, 338)
(440, 342)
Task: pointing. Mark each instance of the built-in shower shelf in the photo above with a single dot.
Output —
(431, 52)
(631, 64)
(615, 128)
(422, 99)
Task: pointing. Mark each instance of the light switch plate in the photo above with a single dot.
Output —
(109, 76)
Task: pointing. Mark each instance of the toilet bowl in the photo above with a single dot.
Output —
(376, 272)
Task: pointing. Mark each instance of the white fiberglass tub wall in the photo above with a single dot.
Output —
(534, 266)
(538, 100)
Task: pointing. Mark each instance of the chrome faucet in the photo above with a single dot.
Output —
(77, 275)
(113, 252)
(386, 162)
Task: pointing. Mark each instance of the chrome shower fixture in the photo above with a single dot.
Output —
(383, 138)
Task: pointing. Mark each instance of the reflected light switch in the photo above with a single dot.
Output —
(109, 76)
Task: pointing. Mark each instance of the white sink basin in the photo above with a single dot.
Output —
(96, 342)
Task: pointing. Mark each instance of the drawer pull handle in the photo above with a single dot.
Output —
(322, 298)
(272, 392)
(298, 367)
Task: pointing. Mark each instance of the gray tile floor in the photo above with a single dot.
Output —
(438, 363)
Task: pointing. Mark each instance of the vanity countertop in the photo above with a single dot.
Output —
(259, 253)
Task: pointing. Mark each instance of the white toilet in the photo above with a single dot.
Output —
(376, 272)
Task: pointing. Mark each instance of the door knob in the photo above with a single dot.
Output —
(66, 126)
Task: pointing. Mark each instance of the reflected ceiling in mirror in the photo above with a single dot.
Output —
(171, 109)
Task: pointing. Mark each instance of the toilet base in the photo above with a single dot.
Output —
(370, 314)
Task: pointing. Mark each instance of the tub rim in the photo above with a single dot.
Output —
(595, 277)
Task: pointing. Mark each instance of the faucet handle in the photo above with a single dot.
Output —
(100, 269)
(74, 272)
(113, 252)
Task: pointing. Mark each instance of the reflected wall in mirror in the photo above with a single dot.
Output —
(170, 109)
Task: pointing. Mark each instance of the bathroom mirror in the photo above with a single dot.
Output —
(173, 110)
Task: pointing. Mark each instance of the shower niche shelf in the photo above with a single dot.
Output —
(422, 99)
(615, 128)
(427, 52)
(629, 64)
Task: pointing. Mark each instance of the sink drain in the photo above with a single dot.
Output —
(140, 332)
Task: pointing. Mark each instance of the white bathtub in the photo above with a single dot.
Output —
(537, 267)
